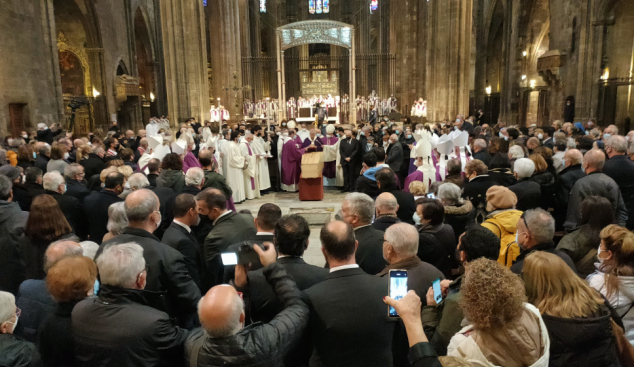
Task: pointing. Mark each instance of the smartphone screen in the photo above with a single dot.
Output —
(398, 288)
(229, 258)
(431, 195)
(437, 292)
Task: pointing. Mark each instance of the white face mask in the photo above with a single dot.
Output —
(197, 220)
(540, 136)
(329, 135)
(15, 324)
(158, 223)
(285, 135)
(25, 136)
(66, 155)
(416, 218)
(599, 253)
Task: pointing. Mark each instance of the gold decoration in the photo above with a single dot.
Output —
(64, 46)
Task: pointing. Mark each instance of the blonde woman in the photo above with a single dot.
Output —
(615, 276)
(503, 329)
(418, 189)
(578, 322)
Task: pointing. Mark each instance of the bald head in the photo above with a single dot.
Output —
(143, 143)
(386, 204)
(593, 161)
(338, 241)
(142, 133)
(221, 312)
(573, 157)
(142, 210)
(60, 250)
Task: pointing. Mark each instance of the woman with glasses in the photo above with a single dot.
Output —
(14, 351)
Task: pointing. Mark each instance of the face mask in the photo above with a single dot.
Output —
(329, 135)
(416, 218)
(385, 143)
(197, 220)
(285, 135)
(362, 133)
(627, 138)
(605, 136)
(277, 133)
(284, 124)
(158, 223)
(25, 136)
(15, 324)
(397, 132)
(500, 135)
(457, 121)
(65, 188)
(599, 253)
(506, 138)
(409, 136)
(66, 155)
(34, 155)
(324, 125)
(369, 145)
(540, 136)
(563, 163)
(248, 132)
(456, 128)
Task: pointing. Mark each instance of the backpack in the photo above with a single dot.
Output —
(509, 249)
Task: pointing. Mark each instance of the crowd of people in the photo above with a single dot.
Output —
(111, 248)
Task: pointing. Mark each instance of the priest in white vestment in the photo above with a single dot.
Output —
(235, 168)
(262, 149)
(251, 179)
(152, 128)
(223, 151)
(303, 133)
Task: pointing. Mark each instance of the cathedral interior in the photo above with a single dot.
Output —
(520, 61)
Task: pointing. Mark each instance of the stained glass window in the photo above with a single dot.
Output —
(326, 6)
(374, 4)
(311, 6)
(318, 6)
(262, 6)
(204, 2)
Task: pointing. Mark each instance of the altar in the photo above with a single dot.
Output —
(307, 115)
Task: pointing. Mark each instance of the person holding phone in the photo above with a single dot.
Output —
(421, 353)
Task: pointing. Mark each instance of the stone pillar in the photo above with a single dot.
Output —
(448, 58)
(185, 53)
(100, 109)
(480, 55)
(509, 100)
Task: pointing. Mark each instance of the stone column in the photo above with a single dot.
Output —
(448, 58)
(185, 53)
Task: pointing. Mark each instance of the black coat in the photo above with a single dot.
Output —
(459, 217)
(55, 338)
(35, 189)
(369, 254)
(22, 196)
(549, 247)
(47, 135)
(166, 198)
(96, 209)
(41, 161)
(621, 169)
(229, 270)
(383, 223)
(12, 223)
(437, 246)
(483, 155)
(32, 252)
(229, 229)
(177, 237)
(263, 303)
(152, 178)
(120, 329)
(569, 176)
(476, 190)
(257, 345)
(548, 189)
(394, 156)
(17, 352)
(349, 149)
(36, 304)
(77, 190)
(72, 209)
(502, 177)
(367, 186)
(167, 273)
(582, 342)
(348, 321)
(93, 165)
(529, 194)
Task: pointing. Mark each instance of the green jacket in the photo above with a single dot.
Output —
(577, 245)
(217, 181)
(442, 322)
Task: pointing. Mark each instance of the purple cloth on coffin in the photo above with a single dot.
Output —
(190, 161)
(307, 142)
(330, 168)
(291, 163)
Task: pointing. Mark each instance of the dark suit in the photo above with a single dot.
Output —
(152, 178)
(549, 143)
(263, 303)
(394, 157)
(367, 186)
(41, 161)
(484, 156)
(229, 271)
(77, 190)
(96, 209)
(229, 229)
(93, 165)
(177, 237)
(71, 207)
(467, 126)
(349, 149)
(348, 321)
(406, 205)
(621, 169)
(369, 254)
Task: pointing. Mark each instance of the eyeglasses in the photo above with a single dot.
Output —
(522, 217)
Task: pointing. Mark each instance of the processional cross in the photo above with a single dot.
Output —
(236, 89)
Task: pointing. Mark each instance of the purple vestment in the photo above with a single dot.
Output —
(291, 163)
(190, 161)
(307, 142)
(330, 168)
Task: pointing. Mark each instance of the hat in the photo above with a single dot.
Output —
(330, 129)
(500, 197)
(11, 172)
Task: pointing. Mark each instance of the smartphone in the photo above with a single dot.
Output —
(431, 195)
(229, 258)
(397, 288)
(437, 291)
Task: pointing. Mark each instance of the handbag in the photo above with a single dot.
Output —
(624, 349)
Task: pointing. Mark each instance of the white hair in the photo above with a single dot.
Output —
(232, 326)
(404, 239)
(120, 265)
(361, 205)
(516, 152)
(89, 248)
(540, 224)
(7, 306)
(386, 202)
(138, 181)
(52, 180)
(73, 170)
(41, 126)
(117, 219)
(617, 143)
(194, 176)
(480, 143)
(524, 167)
(449, 193)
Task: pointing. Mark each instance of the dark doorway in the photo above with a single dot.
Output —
(17, 117)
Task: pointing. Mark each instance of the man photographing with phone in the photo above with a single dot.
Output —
(223, 341)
